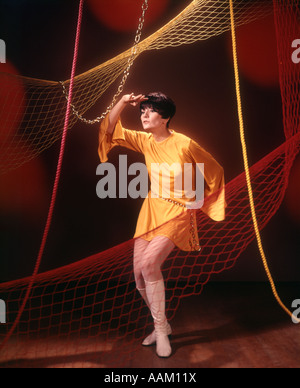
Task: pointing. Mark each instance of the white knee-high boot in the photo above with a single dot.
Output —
(155, 292)
(151, 339)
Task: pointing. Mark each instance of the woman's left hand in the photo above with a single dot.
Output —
(135, 100)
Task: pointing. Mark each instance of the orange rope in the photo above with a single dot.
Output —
(246, 166)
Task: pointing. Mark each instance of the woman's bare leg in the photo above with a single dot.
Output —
(140, 245)
(154, 256)
(149, 266)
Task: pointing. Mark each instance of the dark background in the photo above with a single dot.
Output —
(40, 35)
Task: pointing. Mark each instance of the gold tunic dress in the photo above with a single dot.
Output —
(170, 217)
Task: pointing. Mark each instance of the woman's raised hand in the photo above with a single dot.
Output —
(118, 108)
(134, 100)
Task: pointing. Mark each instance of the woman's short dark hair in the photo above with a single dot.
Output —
(161, 104)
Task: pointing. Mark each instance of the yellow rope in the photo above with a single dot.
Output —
(246, 165)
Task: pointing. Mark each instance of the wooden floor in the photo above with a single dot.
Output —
(230, 325)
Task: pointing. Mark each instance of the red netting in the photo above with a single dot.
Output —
(92, 306)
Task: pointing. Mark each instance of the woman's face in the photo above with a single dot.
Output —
(151, 119)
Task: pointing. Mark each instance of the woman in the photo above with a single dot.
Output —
(164, 222)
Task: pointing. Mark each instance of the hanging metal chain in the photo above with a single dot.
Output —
(126, 72)
(194, 243)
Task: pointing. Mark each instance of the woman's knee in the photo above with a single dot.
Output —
(150, 268)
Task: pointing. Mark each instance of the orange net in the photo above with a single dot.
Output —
(92, 306)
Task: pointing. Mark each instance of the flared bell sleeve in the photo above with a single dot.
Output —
(134, 140)
(214, 189)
